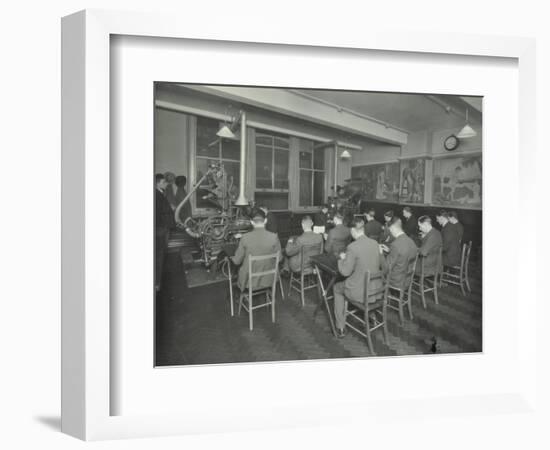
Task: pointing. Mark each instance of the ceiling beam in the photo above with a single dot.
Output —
(289, 103)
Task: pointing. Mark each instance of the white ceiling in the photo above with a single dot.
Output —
(410, 112)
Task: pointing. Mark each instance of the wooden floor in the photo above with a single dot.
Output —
(194, 326)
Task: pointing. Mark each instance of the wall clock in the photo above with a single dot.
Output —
(451, 143)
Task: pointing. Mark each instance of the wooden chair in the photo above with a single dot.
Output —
(372, 313)
(401, 296)
(247, 294)
(458, 275)
(306, 278)
(428, 282)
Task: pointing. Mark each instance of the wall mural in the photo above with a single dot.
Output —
(378, 182)
(457, 181)
(413, 178)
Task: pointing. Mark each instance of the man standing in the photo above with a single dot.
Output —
(429, 248)
(181, 193)
(400, 252)
(373, 228)
(322, 218)
(453, 219)
(164, 220)
(410, 226)
(361, 256)
(294, 245)
(257, 242)
(451, 240)
(338, 237)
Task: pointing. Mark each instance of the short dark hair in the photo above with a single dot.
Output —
(324, 205)
(257, 215)
(262, 207)
(408, 209)
(453, 214)
(443, 213)
(396, 221)
(371, 212)
(181, 181)
(307, 218)
(358, 223)
(388, 213)
(159, 177)
(424, 219)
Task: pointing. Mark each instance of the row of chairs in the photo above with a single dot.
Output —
(371, 314)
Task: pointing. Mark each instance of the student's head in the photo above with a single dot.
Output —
(338, 218)
(370, 214)
(388, 215)
(307, 223)
(357, 228)
(453, 217)
(425, 224)
(181, 181)
(407, 212)
(442, 217)
(169, 177)
(395, 226)
(160, 181)
(324, 208)
(264, 208)
(257, 218)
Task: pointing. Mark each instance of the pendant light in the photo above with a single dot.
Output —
(467, 131)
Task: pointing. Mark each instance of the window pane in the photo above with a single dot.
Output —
(231, 149)
(305, 188)
(264, 139)
(306, 144)
(318, 188)
(232, 169)
(319, 158)
(263, 167)
(305, 160)
(208, 143)
(281, 169)
(282, 142)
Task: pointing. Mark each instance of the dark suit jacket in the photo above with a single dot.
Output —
(294, 247)
(164, 215)
(322, 220)
(402, 249)
(271, 224)
(362, 255)
(171, 195)
(337, 240)
(410, 226)
(373, 229)
(386, 237)
(460, 230)
(451, 245)
(257, 242)
(429, 250)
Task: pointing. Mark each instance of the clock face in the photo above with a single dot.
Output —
(451, 143)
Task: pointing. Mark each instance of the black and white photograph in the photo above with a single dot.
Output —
(297, 224)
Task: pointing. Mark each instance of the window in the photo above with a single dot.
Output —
(212, 149)
(312, 174)
(272, 162)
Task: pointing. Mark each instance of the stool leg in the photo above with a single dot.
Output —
(422, 294)
(367, 333)
(250, 318)
(302, 278)
(385, 319)
(408, 303)
(240, 304)
(435, 293)
(400, 304)
(273, 297)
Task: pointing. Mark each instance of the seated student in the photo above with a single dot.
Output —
(400, 251)
(453, 219)
(373, 228)
(294, 245)
(337, 237)
(322, 218)
(451, 240)
(429, 247)
(386, 237)
(410, 226)
(271, 224)
(361, 255)
(257, 242)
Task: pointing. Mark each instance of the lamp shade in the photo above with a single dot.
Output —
(466, 132)
(345, 155)
(225, 132)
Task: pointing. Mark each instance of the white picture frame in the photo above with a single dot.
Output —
(86, 248)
